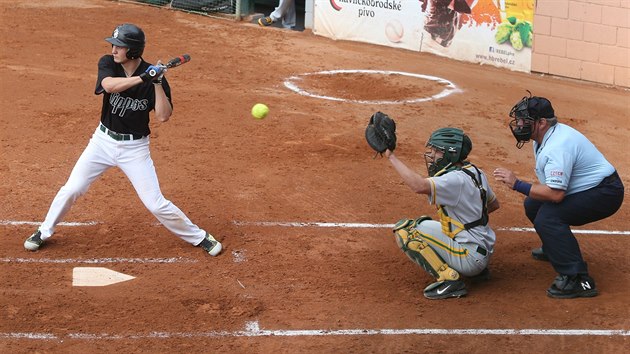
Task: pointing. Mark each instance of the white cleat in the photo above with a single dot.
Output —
(34, 242)
(210, 245)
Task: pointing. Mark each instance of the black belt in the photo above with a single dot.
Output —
(119, 137)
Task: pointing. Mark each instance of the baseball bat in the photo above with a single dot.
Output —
(177, 61)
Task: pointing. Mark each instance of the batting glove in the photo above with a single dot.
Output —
(152, 73)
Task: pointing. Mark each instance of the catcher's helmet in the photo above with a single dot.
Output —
(527, 111)
(453, 143)
(129, 36)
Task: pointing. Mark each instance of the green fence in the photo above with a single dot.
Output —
(215, 8)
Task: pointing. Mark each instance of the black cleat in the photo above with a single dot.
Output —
(445, 289)
(483, 276)
(572, 286)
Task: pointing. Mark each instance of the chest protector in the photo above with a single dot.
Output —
(452, 227)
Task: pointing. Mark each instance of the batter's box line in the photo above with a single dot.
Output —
(347, 225)
(98, 260)
(252, 329)
(35, 223)
(389, 226)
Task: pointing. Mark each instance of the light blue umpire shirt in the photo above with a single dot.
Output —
(567, 160)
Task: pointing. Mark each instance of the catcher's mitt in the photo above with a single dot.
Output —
(381, 133)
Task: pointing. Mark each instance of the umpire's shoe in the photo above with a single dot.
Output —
(572, 286)
(34, 242)
(210, 245)
(445, 289)
(539, 254)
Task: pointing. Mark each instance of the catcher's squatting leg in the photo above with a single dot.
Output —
(409, 240)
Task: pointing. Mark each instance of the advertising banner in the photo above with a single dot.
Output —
(494, 32)
(393, 23)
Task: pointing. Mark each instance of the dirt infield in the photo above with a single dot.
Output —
(297, 200)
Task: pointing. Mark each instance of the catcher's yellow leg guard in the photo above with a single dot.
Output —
(411, 242)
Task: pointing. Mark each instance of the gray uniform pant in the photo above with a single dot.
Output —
(467, 263)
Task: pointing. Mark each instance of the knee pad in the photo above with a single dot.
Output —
(410, 223)
(415, 247)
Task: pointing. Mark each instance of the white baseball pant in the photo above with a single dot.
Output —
(134, 159)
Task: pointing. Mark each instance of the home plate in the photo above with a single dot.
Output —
(97, 276)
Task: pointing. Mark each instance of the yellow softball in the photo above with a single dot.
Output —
(260, 110)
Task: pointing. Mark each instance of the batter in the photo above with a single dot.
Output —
(131, 88)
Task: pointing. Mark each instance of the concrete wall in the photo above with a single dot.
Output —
(309, 8)
(583, 39)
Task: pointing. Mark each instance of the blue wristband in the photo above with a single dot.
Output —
(522, 187)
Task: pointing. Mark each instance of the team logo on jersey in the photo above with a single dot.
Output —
(121, 104)
(557, 173)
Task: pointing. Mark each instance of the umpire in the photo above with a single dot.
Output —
(577, 186)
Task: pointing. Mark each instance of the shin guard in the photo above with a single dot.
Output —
(411, 242)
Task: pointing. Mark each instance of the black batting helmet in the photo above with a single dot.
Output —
(129, 36)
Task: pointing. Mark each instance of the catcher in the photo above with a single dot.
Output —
(460, 243)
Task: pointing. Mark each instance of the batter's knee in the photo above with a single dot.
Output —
(73, 191)
(159, 207)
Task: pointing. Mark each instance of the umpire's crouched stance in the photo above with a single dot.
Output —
(461, 242)
(577, 186)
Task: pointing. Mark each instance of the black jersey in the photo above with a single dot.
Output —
(127, 112)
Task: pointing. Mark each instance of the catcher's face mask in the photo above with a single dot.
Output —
(445, 148)
(434, 159)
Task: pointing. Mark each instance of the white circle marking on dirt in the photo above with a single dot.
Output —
(450, 88)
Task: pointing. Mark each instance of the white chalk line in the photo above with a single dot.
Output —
(449, 86)
(99, 260)
(328, 224)
(34, 223)
(389, 226)
(252, 329)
